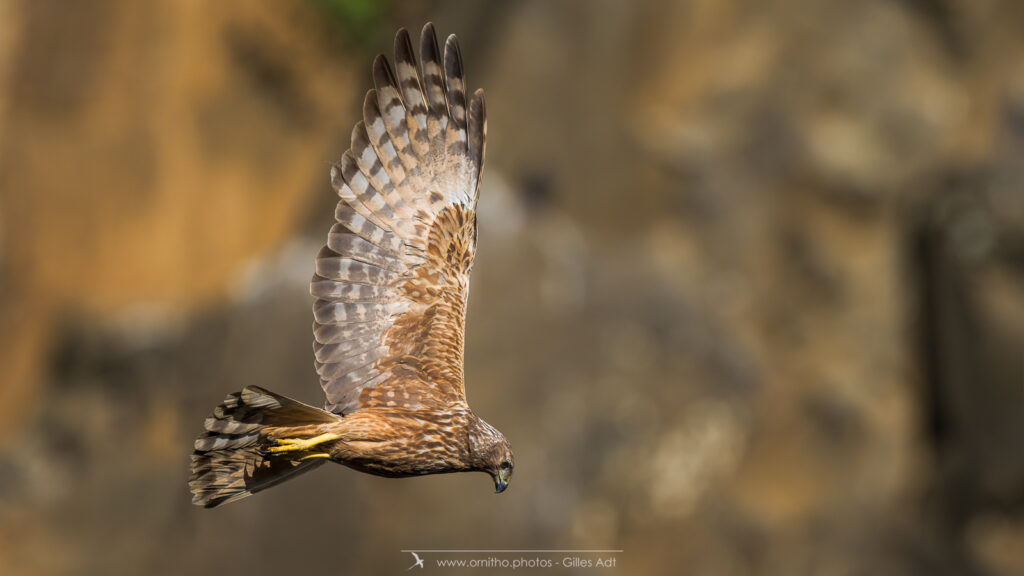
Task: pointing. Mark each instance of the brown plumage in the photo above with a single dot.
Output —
(391, 287)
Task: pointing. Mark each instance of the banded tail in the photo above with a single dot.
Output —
(230, 460)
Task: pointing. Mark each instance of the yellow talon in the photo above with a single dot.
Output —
(318, 455)
(300, 444)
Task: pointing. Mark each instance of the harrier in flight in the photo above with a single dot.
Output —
(390, 313)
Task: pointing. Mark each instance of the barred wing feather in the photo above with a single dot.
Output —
(392, 282)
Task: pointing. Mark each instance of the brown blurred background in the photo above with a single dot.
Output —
(749, 296)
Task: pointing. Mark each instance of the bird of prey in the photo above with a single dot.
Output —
(390, 292)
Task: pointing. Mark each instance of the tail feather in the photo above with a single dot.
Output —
(229, 463)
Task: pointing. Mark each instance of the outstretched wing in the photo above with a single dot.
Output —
(391, 284)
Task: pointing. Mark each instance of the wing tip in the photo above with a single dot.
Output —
(477, 130)
(403, 43)
(453, 58)
(428, 32)
(382, 75)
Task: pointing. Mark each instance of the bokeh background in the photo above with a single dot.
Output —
(749, 296)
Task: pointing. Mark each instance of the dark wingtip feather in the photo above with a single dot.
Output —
(452, 57)
(427, 35)
(455, 77)
(477, 128)
(432, 71)
(403, 45)
(359, 141)
(371, 112)
(383, 76)
(408, 74)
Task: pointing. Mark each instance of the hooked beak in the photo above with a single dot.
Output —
(501, 481)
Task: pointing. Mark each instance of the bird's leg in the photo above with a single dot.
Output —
(282, 445)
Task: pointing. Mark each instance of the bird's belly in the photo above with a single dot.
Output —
(396, 459)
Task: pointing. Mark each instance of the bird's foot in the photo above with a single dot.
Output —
(283, 445)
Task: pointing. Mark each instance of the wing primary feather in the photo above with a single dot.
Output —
(397, 169)
(477, 136)
(412, 92)
(365, 193)
(396, 121)
(455, 78)
(455, 140)
(389, 102)
(350, 197)
(369, 164)
(408, 75)
(433, 83)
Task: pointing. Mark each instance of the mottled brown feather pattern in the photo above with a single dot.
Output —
(401, 346)
(390, 288)
(428, 338)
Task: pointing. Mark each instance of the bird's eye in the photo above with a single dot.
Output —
(505, 465)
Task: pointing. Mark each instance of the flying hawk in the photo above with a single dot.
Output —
(390, 313)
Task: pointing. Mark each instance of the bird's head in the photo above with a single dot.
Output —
(493, 454)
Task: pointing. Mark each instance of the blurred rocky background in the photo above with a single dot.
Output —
(749, 296)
